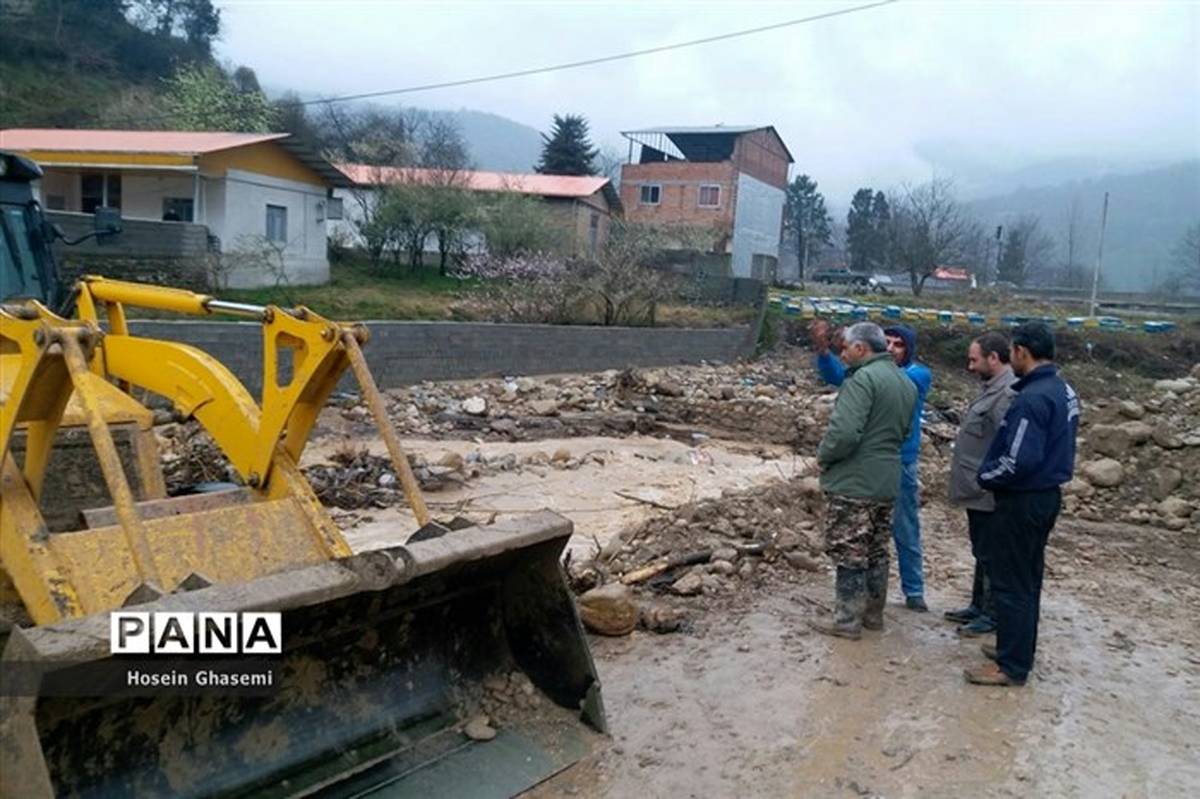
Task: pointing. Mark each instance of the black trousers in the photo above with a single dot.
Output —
(1016, 538)
(981, 586)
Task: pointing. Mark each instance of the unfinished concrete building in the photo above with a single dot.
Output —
(730, 179)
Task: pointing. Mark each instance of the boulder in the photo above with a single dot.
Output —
(1103, 472)
(1175, 507)
(1196, 372)
(609, 609)
(1131, 410)
(475, 406)
(1078, 488)
(1139, 432)
(660, 618)
(1175, 386)
(1164, 480)
(809, 486)
(688, 585)
(561, 455)
(1167, 438)
(479, 729)
(544, 408)
(802, 561)
(1110, 440)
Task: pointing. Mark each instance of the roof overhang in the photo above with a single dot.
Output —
(306, 155)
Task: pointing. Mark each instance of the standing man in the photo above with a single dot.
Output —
(859, 457)
(1032, 455)
(906, 521)
(987, 357)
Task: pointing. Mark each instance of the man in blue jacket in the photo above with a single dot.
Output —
(1032, 455)
(906, 521)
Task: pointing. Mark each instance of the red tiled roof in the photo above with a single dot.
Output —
(129, 141)
(540, 185)
(951, 273)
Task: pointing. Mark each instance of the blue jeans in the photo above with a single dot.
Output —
(906, 531)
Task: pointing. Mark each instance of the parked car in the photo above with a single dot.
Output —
(840, 276)
(881, 284)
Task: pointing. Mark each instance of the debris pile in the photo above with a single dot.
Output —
(702, 550)
(773, 400)
(190, 457)
(1135, 459)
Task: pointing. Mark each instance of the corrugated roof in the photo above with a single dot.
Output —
(540, 185)
(178, 142)
(667, 131)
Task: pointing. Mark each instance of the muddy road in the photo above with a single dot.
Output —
(749, 702)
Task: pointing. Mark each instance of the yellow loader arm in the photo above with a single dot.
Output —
(147, 549)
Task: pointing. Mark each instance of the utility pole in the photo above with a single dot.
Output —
(999, 249)
(1099, 254)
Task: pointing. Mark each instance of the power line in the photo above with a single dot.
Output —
(569, 64)
(591, 61)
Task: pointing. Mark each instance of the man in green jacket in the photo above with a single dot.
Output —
(860, 475)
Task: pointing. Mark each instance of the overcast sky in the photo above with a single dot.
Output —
(872, 98)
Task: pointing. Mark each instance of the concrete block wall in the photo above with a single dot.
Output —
(402, 353)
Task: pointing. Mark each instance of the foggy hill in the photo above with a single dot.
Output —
(1148, 213)
(497, 143)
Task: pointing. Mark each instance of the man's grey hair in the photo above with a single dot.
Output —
(868, 333)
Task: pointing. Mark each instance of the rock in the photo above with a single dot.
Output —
(722, 567)
(1196, 372)
(659, 618)
(609, 610)
(561, 455)
(386, 480)
(1175, 386)
(728, 392)
(544, 408)
(1139, 432)
(669, 388)
(1078, 488)
(1166, 438)
(479, 729)
(725, 553)
(506, 426)
(688, 585)
(475, 406)
(1175, 523)
(1175, 507)
(802, 561)
(766, 391)
(1110, 440)
(1104, 472)
(1131, 410)
(1165, 479)
(452, 460)
(787, 540)
(809, 486)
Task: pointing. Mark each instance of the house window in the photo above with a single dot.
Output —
(97, 189)
(710, 196)
(277, 224)
(593, 233)
(178, 209)
(651, 194)
(56, 202)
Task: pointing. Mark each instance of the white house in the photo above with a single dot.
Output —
(255, 192)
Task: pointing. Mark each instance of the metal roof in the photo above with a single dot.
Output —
(540, 185)
(164, 142)
(692, 134)
(175, 142)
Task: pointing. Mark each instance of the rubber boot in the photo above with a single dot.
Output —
(877, 588)
(846, 621)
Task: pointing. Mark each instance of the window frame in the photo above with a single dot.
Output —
(700, 195)
(283, 215)
(656, 190)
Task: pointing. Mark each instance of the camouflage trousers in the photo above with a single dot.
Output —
(857, 531)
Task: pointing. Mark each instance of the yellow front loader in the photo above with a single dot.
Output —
(385, 653)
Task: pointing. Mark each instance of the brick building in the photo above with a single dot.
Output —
(731, 179)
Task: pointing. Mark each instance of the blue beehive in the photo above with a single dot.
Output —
(792, 309)
(1158, 327)
(1075, 321)
(945, 317)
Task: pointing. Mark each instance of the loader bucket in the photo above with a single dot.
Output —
(385, 655)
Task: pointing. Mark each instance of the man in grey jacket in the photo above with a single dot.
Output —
(988, 358)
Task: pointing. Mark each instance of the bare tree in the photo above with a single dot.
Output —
(929, 228)
(1186, 258)
(1027, 251)
(1072, 272)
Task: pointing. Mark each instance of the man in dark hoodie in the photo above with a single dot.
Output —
(906, 522)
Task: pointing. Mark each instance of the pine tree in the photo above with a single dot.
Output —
(805, 219)
(866, 230)
(567, 150)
